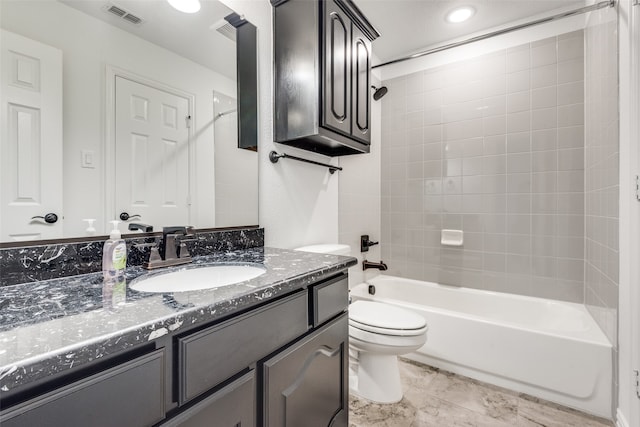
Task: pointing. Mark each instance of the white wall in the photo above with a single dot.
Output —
(298, 202)
(88, 46)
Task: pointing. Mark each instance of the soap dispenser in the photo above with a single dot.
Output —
(114, 254)
(90, 231)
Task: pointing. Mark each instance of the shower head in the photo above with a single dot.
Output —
(379, 92)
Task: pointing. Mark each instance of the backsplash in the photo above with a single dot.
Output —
(34, 263)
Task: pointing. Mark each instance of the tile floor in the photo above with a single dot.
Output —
(442, 399)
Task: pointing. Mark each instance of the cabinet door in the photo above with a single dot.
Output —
(130, 394)
(307, 384)
(232, 406)
(361, 86)
(336, 70)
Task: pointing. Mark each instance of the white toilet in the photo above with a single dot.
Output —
(378, 334)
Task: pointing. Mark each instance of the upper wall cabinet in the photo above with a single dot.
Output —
(322, 72)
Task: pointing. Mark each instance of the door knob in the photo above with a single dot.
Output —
(124, 216)
(49, 218)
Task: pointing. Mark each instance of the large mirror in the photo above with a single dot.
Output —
(124, 109)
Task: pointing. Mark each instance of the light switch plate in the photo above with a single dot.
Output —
(87, 159)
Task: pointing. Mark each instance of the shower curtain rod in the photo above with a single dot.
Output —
(596, 6)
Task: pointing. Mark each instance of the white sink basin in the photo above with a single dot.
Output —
(195, 279)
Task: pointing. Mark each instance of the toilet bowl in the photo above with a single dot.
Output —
(378, 334)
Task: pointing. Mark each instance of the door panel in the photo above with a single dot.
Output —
(337, 90)
(152, 154)
(361, 66)
(31, 139)
(306, 385)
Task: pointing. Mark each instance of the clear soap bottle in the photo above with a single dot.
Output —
(114, 254)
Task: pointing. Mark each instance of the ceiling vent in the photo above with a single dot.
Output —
(226, 29)
(122, 13)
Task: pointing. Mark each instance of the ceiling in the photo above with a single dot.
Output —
(192, 36)
(410, 26)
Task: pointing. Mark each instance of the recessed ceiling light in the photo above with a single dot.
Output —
(460, 14)
(186, 6)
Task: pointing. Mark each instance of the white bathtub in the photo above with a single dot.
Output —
(550, 349)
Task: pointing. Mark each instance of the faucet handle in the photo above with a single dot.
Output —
(182, 249)
(365, 243)
(155, 260)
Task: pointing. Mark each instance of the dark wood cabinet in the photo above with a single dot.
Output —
(208, 357)
(307, 384)
(232, 406)
(322, 73)
(336, 113)
(361, 86)
(129, 394)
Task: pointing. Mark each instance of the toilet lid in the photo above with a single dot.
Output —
(385, 316)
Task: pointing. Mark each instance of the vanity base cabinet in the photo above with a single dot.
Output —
(284, 363)
(232, 406)
(130, 394)
(307, 383)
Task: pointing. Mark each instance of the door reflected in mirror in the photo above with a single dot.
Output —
(112, 107)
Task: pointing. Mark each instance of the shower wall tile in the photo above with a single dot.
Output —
(493, 146)
(571, 71)
(544, 76)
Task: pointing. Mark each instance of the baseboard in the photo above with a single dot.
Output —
(621, 421)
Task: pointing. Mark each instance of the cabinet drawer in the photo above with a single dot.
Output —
(329, 298)
(210, 356)
(232, 406)
(131, 394)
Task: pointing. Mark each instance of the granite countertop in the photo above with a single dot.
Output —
(52, 326)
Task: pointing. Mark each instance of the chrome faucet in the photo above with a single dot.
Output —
(172, 249)
(379, 265)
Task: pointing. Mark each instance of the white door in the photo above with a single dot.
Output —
(30, 139)
(151, 154)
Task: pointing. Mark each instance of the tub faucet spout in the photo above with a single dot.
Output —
(379, 265)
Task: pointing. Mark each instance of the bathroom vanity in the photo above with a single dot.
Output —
(271, 351)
